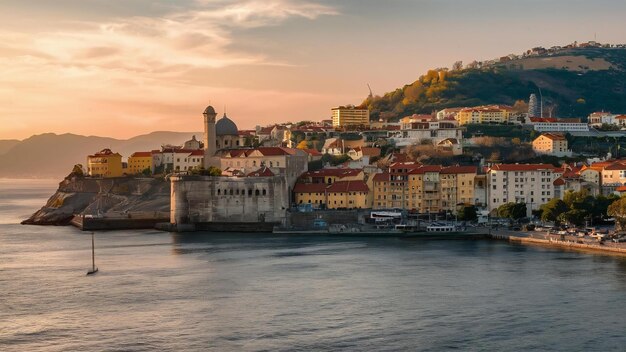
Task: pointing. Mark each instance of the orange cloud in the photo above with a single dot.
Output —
(132, 72)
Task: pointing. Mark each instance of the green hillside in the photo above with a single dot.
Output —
(573, 82)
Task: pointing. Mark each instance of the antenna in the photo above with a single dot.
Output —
(370, 88)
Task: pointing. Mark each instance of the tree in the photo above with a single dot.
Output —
(214, 171)
(467, 213)
(553, 209)
(303, 145)
(575, 217)
(457, 66)
(146, 172)
(617, 209)
(77, 170)
(520, 106)
(512, 210)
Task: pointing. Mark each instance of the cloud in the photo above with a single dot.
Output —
(199, 37)
(64, 74)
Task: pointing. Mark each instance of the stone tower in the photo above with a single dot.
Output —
(209, 137)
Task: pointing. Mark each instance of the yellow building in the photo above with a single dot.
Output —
(424, 189)
(105, 164)
(339, 195)
(350, 116)
(484, 114)
(348, 195)
(139, 161)
(552, 144)
(310, 193)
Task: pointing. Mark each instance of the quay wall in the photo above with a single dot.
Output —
(561, 244)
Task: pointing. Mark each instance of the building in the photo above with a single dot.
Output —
(358, 153)
(551, 144)
(193, 144)
(417, 128)
(105, 163)
(286, 162)
(548, 124)
(338, 195)
(217, 203)
(448, 113)
(138, 162)
(346, 116)
(531, 184)
(310, 193)
(484, 114)
(348, 195)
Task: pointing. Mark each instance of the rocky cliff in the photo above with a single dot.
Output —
(109, 197)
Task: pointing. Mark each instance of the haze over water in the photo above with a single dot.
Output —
(195, 292)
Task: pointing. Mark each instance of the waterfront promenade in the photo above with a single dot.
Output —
(558, 241)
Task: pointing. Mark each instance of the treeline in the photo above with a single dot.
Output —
(570, 94)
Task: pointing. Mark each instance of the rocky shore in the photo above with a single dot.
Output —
(98, 197)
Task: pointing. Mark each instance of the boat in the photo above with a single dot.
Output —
(437, 227)
(93, 257)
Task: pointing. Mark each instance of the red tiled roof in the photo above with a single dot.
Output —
(348, 186)
(426, 168)
(313, 152)
(141, 154)
(405, 165)
(333, 172)
(618, 165)
(262, 172)
(521, 167)
(559, 182)
(369, 151)
(198, 152)
(459, 170)
(553, 136)
(620, 117)
(381, 177)
(621, 189)
(310, 188)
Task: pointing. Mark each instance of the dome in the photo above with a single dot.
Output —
(209, 110)
(226, 127)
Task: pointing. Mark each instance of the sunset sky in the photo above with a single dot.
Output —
(120, 68)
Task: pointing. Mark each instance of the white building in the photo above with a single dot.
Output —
(557, 125)
(531, 184)
(414, 129)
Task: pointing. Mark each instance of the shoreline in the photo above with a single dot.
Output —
(563, 245)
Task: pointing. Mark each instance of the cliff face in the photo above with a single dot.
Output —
(79, 195)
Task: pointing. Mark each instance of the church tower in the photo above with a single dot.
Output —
(209, 137)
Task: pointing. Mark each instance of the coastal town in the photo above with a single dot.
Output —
(351, 163)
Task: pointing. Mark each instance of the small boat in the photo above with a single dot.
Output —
(93, 258)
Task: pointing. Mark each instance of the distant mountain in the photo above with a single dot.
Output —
(574, 82)
(7, 144)
(52, 155)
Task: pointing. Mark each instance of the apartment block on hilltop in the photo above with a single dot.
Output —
(484, 114)
(548, 124)
(346, 116)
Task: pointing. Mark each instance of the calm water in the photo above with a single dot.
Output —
(157, 291)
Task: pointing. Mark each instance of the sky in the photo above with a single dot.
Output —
(121, 68)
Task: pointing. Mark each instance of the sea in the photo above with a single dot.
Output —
(159, 291)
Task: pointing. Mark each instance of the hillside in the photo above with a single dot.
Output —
(573, 82)
(52, 155)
